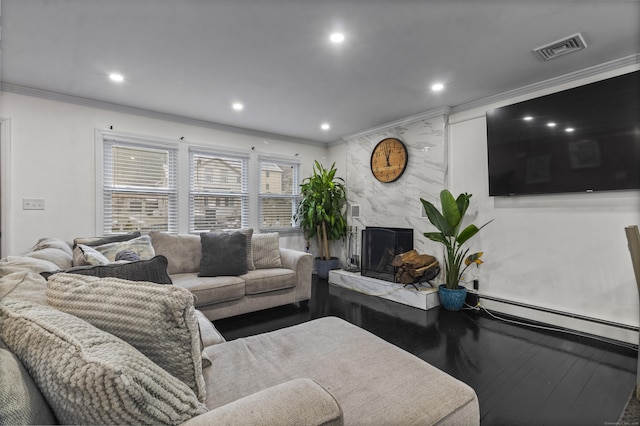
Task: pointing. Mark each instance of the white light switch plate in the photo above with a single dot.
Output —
(32, 204)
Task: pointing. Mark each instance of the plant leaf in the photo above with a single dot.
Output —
(450, 209)
(436, 218)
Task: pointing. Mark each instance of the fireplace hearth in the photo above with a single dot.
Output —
(379, 246)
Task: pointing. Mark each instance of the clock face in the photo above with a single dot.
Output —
(389, 160)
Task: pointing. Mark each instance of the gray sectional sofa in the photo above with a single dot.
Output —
(86, 349)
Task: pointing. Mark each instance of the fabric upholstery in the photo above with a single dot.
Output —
(223, 253)
(248, 233)
(153, 270)
(85, 255)
(307, 403)
(158, 320)
(183, 251)
(60, 258)
(127, 255)
(210, 290)
(12, 264)
(141, 245)
(99, 241)
(55, 243)
(265, 280)
(20, 400)
(367, 375)
(23, 285)
(266, 250)
(89, 376)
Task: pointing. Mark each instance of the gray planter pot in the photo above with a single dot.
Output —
(324, 266)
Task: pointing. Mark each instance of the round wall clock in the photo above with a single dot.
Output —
(389, 160)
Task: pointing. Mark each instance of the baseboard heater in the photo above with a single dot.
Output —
(564, 314)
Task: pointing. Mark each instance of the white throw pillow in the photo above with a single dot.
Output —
(266, 250)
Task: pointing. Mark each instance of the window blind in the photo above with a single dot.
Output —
(279, 194)
(140, 190)
(218, 191)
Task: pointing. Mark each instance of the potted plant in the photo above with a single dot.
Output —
(448, 223)
(321, 213)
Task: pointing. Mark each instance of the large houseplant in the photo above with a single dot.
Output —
(321, 212)
(448, 223)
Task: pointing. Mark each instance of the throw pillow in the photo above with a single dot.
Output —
(153, 270)
(61, 258)
(248, 233)
(20, 401)
(158, 320)
(47, 242)
(89, 376)
(85, 255)
(266, 250)
(99, 241)
(223, 253)
(183, 251)
(127, 255)
(141, 245)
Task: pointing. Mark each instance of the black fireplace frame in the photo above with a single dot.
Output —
(379, 246)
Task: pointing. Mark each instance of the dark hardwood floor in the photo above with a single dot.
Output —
(522, 375)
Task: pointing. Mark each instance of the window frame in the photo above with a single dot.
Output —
(294, 196)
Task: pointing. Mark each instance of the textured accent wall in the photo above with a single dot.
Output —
(397, 204)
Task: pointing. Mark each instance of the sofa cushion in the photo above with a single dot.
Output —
(265, 280)
(248, 233)
(210, 290)
(12, 264)
(266, 250)
(20, 400)
(223, 253)
(98, 241)
(183, 251)
(141, 245)
(85, 255)
(89, 376)
(153, 270)
(55, 243)
(60, 258)
(158, 320)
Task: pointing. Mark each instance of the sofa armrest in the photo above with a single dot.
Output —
(296, 402)
(302, 264)
(209, 334)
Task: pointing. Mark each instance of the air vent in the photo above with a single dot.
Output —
(355, 211)
(560, 47)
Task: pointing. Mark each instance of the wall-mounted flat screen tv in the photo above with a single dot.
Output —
(584, 139)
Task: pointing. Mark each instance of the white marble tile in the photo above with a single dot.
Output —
(425, 298)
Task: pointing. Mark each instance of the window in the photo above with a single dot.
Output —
(278, 193)
(221, 202)
(139, 187)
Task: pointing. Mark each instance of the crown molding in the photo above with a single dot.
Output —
(550, 83)
(438, 112)
(92, 103)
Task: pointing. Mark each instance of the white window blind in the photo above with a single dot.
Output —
(140, 190)
(279, 194)
(218, 191)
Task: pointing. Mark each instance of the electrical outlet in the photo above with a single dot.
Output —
(32, 204)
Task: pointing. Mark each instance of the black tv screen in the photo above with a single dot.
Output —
(583, 139)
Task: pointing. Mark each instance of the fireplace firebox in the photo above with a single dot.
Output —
(379, 246)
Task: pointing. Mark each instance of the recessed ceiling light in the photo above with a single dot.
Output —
(437, 87)
(336, 37)
(325, 126)
(569, 129)
(528, 118)
(116, 77)
(551, 124)
(237, 106)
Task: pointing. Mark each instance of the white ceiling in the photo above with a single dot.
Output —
(193, 58)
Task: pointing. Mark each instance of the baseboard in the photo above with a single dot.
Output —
(606, 329)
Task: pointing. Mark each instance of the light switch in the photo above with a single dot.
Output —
(32, 204)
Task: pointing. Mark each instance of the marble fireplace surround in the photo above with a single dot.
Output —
(425, 297)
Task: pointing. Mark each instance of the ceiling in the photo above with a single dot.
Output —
(194, 58)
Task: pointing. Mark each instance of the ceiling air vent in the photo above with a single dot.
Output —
(561, 47)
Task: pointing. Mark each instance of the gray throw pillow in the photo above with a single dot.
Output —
(153, 270)
(99, 241)
(223, 253)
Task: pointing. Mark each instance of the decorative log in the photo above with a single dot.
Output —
(411, 266)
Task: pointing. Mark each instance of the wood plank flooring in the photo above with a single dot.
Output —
(522, 375)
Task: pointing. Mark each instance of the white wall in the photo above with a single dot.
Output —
(52, 157)
(565, 252)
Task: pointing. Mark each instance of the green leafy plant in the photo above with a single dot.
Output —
(322, 207)
(448, 222)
